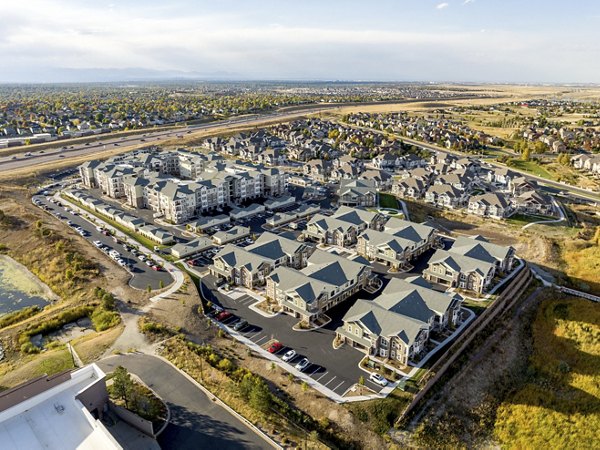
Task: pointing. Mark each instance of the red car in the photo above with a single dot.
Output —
(224, 316)
(192, 262)
(275, 347)
(157, 268)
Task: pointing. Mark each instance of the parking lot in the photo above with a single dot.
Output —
(142, 274)
(335, 369)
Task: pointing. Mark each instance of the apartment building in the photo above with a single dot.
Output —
(397, 244)
(343, 227)
(250, 266)
(326, 281)
(471, 264)
(397, 325)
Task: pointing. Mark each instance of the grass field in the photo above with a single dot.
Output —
(49, 363)
(92, 346)
(558, 406)
(388, 201)
(532, 167)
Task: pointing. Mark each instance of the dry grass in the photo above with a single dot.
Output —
(49, 363)
(558, 406)
(92, 346)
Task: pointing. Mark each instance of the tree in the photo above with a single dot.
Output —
(260, 396)
(361, 380)
(526, 156)
(122, 386)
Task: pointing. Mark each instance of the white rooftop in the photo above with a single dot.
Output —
(55, 419)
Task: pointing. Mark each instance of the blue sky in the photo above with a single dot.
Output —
(401, 40)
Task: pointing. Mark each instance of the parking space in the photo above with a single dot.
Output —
(143, 275)
(335, 369)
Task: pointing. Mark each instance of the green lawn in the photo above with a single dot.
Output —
(522, 219)
(532, 167)
(475, 306)
(388, 201)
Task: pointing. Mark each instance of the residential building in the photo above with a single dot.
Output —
(400, 242)
(358, 193)
(397, 325)
(326, 281)
(491, 204)
(249, 266)
(343, 227)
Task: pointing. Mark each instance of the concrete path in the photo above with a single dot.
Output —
(560, 219)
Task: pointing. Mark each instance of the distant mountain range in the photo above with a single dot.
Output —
(70, 75)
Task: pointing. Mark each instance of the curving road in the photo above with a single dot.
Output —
(196, 421)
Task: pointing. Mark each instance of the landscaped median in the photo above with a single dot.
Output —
(129, 392)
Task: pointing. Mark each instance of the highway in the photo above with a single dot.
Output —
(64, 150)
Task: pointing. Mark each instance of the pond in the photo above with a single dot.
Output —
(19, 288)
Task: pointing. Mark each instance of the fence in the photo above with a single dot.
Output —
(503, 302)
(576, 293)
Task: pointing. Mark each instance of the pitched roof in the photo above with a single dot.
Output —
(461, 263)
(382, 322)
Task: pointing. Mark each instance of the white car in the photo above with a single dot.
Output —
(289, 355)
(98, 244)
(376, 378)
(142, 258)
(303, 364)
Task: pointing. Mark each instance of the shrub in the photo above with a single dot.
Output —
(103, 319)
(18, 316)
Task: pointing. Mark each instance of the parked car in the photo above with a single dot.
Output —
(157, 268)
(303, 364)
(240, 325)
(224, 316)
(289, 355)
(142, 258)
(378, 379)
(275, 347)
(192, 262)
(98, 244)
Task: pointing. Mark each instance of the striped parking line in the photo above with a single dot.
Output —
(335, 388)
(261, 339)
(322, 375)
(314, 371)
(334, 377)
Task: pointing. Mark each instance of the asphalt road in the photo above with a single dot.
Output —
(106, 142)
(196, 421)
(336, 369)
(142, 275)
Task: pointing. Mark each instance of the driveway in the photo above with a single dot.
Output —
(196, 421)
(142, 275)
(336, 369)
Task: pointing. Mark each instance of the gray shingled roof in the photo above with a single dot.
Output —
(461, 263)
(382, 322)
(477, 247)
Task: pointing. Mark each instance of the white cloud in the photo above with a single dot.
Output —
(442, 5)
(87, 37)
(466, 2)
